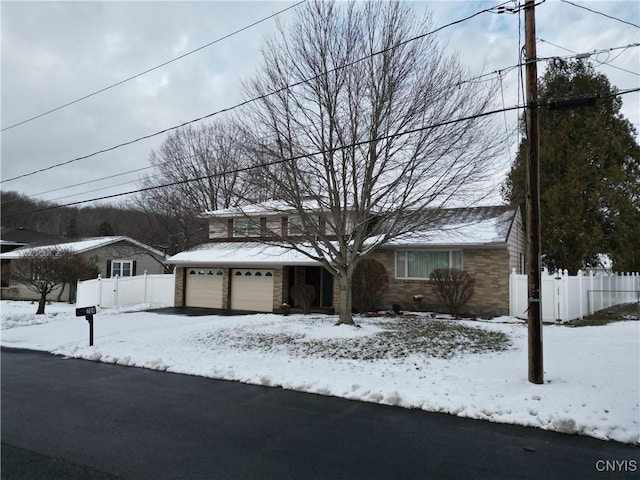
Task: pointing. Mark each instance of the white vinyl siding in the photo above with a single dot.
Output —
(418, 264)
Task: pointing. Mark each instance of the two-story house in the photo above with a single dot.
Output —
(241, 268)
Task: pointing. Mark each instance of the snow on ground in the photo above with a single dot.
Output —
(592, 374)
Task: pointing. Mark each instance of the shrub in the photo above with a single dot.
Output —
(397, 308)
(453, 288)
(303, 295)
(369, 283)
(285, 309)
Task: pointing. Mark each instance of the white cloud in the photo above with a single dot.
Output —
(55, 52)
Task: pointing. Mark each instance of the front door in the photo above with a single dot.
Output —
(321, 280)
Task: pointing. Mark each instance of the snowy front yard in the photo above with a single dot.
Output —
(467, 368)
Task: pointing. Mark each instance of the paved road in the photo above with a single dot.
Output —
(76, 419)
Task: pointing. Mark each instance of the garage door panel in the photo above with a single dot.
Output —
(252, 290)
(204, 288)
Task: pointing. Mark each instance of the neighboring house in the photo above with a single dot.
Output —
(240, 270)
(112, 255)
(16, 237)
(12, 238)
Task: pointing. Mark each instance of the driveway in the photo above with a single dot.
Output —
(64, 418)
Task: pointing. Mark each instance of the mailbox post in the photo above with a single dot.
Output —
(88, 313)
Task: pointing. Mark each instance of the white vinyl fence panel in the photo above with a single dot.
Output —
(567, 297)
(125, 291)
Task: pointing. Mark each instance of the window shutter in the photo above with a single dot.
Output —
(108, 275)
(133, 268)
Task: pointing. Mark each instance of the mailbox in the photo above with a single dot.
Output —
(84, 311)
(88, 313)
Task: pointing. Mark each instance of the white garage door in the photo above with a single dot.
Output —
(204, 288)
(252, 290)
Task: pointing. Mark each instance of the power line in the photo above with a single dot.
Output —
(254, 99)
(98, 180)
(269, 164)
(83, 183)
(500, 72)
(308, 155)
(152, 68)
(598, 52)
(600, 13)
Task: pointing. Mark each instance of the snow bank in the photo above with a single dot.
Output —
(592, 374)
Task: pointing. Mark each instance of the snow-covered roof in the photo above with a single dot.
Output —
(240, 254)
(10, 242)
(464, 227)
(264, 208)
(468, 227)
(81, 246)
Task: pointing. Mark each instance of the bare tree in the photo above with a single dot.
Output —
(453, 288)
(172, 225)
(360, 132)
(199, 160)
(77, 268)
(41, 271)
(204, 165)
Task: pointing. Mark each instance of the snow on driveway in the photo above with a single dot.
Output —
(592, 374)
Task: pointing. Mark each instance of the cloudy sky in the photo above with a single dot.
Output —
(54, 53)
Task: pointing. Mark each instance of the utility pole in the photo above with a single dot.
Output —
(534, 320)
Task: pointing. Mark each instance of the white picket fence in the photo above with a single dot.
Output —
(567, 297)
(125, 291)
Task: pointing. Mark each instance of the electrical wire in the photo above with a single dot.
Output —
(268, 164)
(600, 13)
(254, 99)
(300, 157)
(501, 73)
(152, 68)
(98, 180)
(596, 53)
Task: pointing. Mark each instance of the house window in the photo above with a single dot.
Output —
(295, 227)
(246, 227)
(418, 264)
(122, 268)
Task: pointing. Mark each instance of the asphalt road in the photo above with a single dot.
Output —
(74, 419)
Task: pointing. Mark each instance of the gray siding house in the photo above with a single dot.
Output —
(112, 255)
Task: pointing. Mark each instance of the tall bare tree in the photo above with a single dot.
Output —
(204, 164)
(359, 132)
(198, 160)
(41, 271)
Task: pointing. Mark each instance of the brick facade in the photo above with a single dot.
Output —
(489, 266)
(178, 298)
(280, 287)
